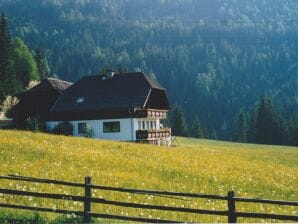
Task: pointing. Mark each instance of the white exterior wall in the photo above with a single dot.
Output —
(128, 127)
(50, 125)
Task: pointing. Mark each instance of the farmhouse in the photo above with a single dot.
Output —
(125, 107)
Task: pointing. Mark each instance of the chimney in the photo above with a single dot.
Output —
(110, 74)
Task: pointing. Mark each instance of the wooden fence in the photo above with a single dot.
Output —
(230, 198)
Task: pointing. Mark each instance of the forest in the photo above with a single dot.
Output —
(226, 64)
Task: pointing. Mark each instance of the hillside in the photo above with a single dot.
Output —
(213, 56)
(199, 166)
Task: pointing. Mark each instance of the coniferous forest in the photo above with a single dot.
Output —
(230, 67)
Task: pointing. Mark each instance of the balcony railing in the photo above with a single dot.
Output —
(150, 113)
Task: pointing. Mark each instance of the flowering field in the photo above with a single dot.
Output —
(199, 166)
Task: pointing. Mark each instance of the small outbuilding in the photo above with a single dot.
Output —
(38, 101)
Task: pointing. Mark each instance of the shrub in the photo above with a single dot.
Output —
(63, 128)
(89, 133)
(33, 124)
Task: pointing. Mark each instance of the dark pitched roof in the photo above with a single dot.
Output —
(129, 90)
(38, 100)
(50, 84)
(46, 85)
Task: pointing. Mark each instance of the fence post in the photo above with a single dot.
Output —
(231, 208)
(87, 202)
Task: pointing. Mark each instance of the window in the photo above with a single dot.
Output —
(110, 127)
(140, 125)
(151, 125)
(82, 128)
(80, 100)
(143, 125)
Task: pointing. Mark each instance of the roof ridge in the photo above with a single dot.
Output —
(59, 80)
(150, 80)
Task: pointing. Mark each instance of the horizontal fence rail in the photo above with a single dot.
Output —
(266, 216)
(117, 189)
(41, 180)
(42, 195)
(155, 207)
(231, 213)
(267, 201)
(80, 213)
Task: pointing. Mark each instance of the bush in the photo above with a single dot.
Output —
(33, 124)
(89, 133)
(63, 128)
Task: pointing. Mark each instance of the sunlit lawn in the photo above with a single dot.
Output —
(199, 166)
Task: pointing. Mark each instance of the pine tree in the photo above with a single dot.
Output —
(177, 121)
(214, 135)
(269, 129)
(7, 77)
(241, 127)
(196, 129)
(292, 130)
(121, 69)
(263, 123)
(251, 132)
(42, 65)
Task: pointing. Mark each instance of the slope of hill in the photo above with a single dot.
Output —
(213, 56)
(200, 166)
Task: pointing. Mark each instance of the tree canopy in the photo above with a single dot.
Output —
(24, 63)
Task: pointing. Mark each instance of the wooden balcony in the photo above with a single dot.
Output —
(151, 113)
(156, 137)
(153, 134)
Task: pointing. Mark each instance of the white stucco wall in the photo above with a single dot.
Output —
(128, 128)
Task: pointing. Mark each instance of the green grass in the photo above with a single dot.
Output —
(11, 217)
(200, 166)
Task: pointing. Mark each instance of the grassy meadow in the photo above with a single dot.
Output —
(199, 166)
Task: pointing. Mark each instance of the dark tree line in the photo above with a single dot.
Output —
(180, 128)
(265, 125)
(262, 125)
